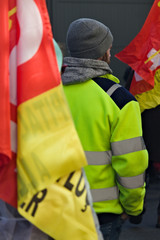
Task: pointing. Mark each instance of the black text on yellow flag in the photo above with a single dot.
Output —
(62, 210)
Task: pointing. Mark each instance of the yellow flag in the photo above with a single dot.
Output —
(48, 144)
(51, 187)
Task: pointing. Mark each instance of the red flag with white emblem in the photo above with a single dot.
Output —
(143, 53)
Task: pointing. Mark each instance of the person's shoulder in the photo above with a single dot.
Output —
(119, 94)
(122, 97)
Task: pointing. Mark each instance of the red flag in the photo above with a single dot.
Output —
(35, 51)
(143, 53)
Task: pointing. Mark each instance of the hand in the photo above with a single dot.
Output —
(124, 216)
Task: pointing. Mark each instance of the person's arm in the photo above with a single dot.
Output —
(130, 158)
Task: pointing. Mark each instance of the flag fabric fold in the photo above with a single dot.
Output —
(143, 52)
(46, 151)
(8, 175)
(5, 148)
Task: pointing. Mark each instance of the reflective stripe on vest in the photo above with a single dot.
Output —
(112, 89)
(128, 146)
(105, 194)
(132, 182)
(98, 158)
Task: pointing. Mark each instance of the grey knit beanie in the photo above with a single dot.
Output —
(88, 38)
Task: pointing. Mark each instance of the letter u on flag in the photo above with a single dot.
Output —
(39, 141)
(143, 52)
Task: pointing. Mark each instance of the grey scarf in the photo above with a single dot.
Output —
(80, 70)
